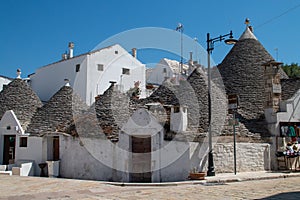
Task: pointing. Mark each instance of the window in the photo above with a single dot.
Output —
(165, 70)
(116, 52)
(125, 71)
(77, 67)
(23, 141)
(100, 67)
(8, 128)
(176, 109)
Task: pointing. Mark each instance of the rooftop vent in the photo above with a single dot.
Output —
(134, 52)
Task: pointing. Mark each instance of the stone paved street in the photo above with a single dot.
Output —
(14, 187)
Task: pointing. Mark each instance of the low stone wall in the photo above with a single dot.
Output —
(249, 157)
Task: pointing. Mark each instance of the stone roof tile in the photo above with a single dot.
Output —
(58, 114)
(243, 75)
(289, 87)
(20, 98)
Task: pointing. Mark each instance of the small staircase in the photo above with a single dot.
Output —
(4, 171)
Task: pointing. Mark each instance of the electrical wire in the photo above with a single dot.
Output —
(278, 16)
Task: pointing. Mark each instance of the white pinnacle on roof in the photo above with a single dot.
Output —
(248, 34)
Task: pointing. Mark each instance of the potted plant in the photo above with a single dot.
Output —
(196, 175)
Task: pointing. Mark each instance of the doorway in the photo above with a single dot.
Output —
(55, 148)
(141, 159)
(9, 149)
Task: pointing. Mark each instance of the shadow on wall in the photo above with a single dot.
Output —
(258, 125)
(196, 161)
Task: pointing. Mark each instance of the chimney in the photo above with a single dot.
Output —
(71, 47)
(191, 57)
(67, 82)
(134, 52)
(64, 56)
(112, 83)
(18, 73)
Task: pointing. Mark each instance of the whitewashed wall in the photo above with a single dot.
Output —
(49, 79)
(175, 161)
(98, 81)
(3, 81)
(290, 112)
(33, 152)
(89, 81)
(179, 120)
(85, 158)
(157, 75)
(9, 119)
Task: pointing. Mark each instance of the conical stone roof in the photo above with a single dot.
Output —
(112, 110)
(20, 98)
(243, 74)
(193, 93)
(58, 114)
(289, 88)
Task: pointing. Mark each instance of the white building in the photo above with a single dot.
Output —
(4, 81)
(167, 68)
(90, 73)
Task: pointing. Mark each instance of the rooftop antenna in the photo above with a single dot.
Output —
(276, 50)
(180, 29)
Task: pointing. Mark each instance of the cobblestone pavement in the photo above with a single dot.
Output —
(14, 187)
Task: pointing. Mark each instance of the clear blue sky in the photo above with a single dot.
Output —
(35, 33)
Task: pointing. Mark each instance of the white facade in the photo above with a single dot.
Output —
(179, 119)
(100, 159)
(4, 81)
(166, 68)
(9, 126)
(89, 74)
(289, 112)
(23, 161)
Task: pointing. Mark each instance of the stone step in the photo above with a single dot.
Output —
(6, 173)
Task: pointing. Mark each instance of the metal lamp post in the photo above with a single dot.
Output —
(210, 48)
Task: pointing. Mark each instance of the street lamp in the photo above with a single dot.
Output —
(210, 48)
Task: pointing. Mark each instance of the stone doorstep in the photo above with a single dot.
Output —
(6, 173)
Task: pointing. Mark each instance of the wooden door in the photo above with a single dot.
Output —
(141, 159)
(9, 149)
(56, 148)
